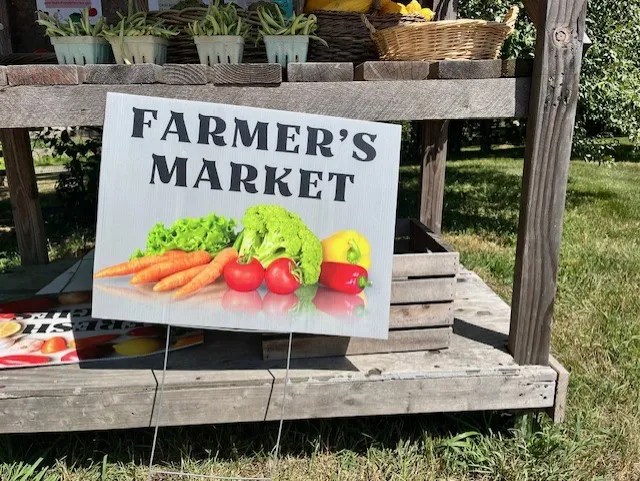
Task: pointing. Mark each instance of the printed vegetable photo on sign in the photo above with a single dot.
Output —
(232, 217)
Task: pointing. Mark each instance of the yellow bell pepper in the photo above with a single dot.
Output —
(347, 246)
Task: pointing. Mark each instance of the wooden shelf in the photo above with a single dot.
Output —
(72, 105)
(68, 95)
(226, 380)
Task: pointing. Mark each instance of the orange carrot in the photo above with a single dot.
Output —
(160, 270)
(136, 265)
(209, 274)
(178, 279)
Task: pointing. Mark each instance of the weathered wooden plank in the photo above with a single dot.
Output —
(410, 316)
(392, 70)
(183, 74)
(446, 69)
(307, 347)
(434, 138)
(146, 73)
(423, 265)
(467, 69)
(320, 72)
(412, 393)
(245, 74)
(45, 74)
(548, 151)
(23, 194)
(521, 67)
(434, 242)
(5, 30)
(558, 411)
(75, 397)
(423, 290)
(426, 99)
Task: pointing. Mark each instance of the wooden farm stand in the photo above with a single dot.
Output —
(498, 357)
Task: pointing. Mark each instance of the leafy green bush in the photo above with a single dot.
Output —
(77, 186)
(609, 103)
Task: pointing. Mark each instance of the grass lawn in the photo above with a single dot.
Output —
(596, 335)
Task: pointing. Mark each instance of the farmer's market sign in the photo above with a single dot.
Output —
(235, 217)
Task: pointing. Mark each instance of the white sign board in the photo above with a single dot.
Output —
(64, 8)
(300, 197)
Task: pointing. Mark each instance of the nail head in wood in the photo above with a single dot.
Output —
(245, 74)
(45, 74)
(320, 72)
(122, 74)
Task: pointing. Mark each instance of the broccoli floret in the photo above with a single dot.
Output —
(271, 231)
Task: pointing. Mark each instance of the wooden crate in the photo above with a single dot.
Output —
(421, 314)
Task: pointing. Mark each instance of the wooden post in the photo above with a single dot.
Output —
(23, 193)
(5, 35)
(552, 109)
(434, 137)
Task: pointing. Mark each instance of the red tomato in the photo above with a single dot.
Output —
(244, 277)
(54, 344)
(281, 277)
(24, 360)
(234, 301)
(277, 305)
(7, 315)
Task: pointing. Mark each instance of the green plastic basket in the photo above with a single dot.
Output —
(81, 50)
(283, 49)
(219, 49)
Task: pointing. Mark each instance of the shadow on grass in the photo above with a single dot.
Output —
(233, 442)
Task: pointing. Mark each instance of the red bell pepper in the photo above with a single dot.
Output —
(347, 278)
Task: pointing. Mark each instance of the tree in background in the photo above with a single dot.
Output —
(609, 103)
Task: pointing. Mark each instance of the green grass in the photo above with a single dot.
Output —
(596, 335)
(41, 160)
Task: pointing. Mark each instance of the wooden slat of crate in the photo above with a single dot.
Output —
(410, 316)
(415, 291)
(405, 340)
(432, 264)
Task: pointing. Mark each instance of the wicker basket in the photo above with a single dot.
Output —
(443, 40)
(348, 38)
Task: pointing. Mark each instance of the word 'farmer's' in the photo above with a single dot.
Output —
(213, 130)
